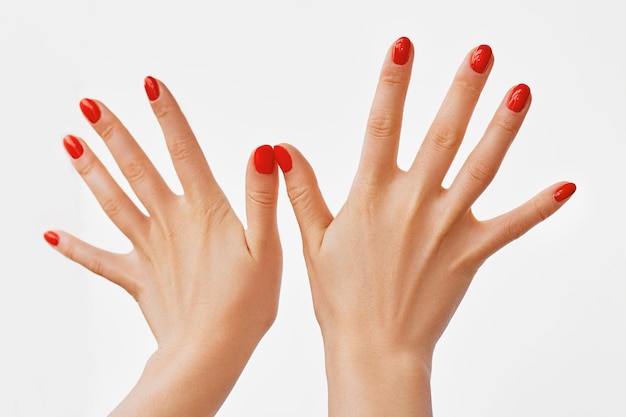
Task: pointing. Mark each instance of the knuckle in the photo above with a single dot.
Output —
(541, 210)
(466, 86)
(512, 231)
(179, 148)
(108, 131)
(262, 198)
(86, 167)
(443, 138)
(219, 213)
(302, 202)
(481, 171)
(94, 264)
(112, 207)
(507, 125)
(393, 79)
(382, 125)
(164, 110)
(212, 210)
(299, 197)
(134, 171)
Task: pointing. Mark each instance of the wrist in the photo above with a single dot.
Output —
(375, 380)
(191, 378)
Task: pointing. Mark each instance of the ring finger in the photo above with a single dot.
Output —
(141, 174)
(483, 163)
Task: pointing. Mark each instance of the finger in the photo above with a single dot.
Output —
(261, 198)
(444, 137)
(512, 225)
(111, 266)
(485, 160)
(187, 156)
(113, 200)
(382, 136)
(141, 174)
(311, 211)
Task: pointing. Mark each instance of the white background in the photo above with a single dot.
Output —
(542, 329)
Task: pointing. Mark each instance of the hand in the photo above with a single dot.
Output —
(207, 288)
(388, 272)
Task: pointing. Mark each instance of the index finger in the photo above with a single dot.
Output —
(382, 137)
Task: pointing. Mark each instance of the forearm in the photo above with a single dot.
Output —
(372, 381)
(189, 381)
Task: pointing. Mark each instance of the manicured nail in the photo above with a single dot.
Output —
(480, 58)
(73, 146)
(401, 51)
(518, 98)
(51, 237)
(564, 192)
(283, 158)
(152, 88)
(264, 160)
(90, 109)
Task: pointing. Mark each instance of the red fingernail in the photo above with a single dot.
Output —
(264, 160)
(283, 158)
(401, 51)
(152, 88)
(51, 237)
(481, 58)
(518, 98)
(564, 192)
(90, 109)
(73, 146)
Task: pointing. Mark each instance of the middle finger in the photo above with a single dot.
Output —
(446, 133)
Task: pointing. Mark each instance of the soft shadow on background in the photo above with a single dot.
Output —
(542, 330)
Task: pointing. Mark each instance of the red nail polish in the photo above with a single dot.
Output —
(90, 109)
(73, 146)
(401, 51)
(481, 58)
(518, 98)
(264, 160)
(152, 88)
(51, 237)
(283, 158)
(564, 192)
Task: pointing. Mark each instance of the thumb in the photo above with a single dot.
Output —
(261, 197)
(311, 211)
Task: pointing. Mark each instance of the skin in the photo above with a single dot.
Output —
(388, 272)
(207, 288)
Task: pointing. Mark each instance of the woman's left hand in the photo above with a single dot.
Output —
(207, 287)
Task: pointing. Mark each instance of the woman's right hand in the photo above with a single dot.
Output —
(388, 272)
